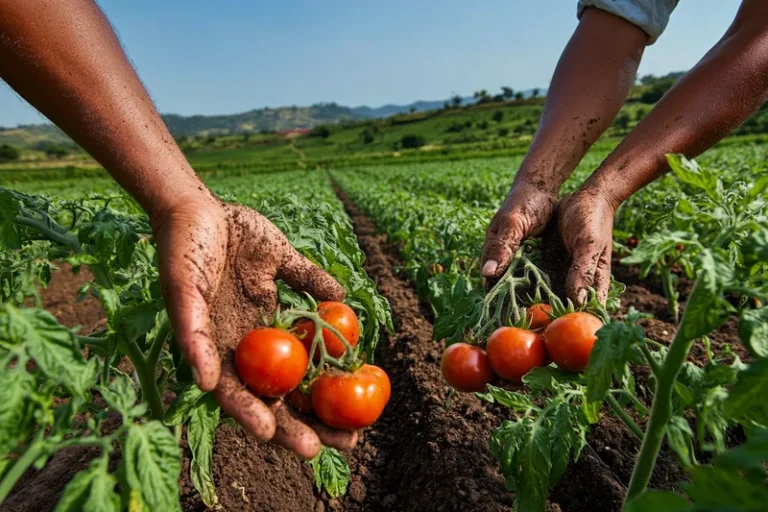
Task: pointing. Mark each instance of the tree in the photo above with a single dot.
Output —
(456, 100)
(411, 141)
(9, 153)
(507, 92)
(535, 92)
(367, 136)
(503, 132)
(483, 125)
(518, 96)
(498, 116)
(640, 114)
(320, 131)
(622, 121)
(412, 110)
(482, 96)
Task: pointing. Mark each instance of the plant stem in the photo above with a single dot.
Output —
(654, 365)
(622, 414)
(146, 374)
(661, 412)
(21, 465)
(68, 240)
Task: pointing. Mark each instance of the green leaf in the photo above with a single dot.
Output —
(652, 249)
(151, 466)
(746, 401)
(547, 377)
(50, 344)
(111, 236)
(752, 454)
(16, 407)
(689, 172)
(331, 472)
(185, 401)
(120, 395)
(9, 209)
(706, 308)
(609, 357)
(592, 410)
(91, 490)
(511, 399)
(465, 308)
(131, 322)
(753, 330)
(679, 436)
(659, 501)
(201, 431)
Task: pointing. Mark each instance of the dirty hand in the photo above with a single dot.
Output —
(585, 222)
(525, 213)
(218, 266)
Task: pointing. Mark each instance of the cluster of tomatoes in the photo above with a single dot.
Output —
(511, 352)
(273, 361)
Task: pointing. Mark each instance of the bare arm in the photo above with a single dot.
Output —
(728, 85)
(589, 86)
(64, 58)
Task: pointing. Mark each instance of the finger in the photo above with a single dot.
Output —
(603, 275)
(581, 275)
(293, 434)
(190, 318)
(304, 276)
(501, 243)
(250, 412)
(340, 439)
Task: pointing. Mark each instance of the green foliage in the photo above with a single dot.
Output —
(331, 472)
(411, 141)
(9, 153)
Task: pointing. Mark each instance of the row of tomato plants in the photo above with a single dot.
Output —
(551, 418)
(56, 394)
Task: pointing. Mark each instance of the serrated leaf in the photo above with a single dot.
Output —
(746, 401)
(331, 472)
(120, 395)
(690, 173)
(679, 435)
(91, 490)
(151, 466)
(609, 357)
(16, 410)
(753, 330)
(547, 377)
(201, 431)
(706, 308)
(511, 399)
(180, 409)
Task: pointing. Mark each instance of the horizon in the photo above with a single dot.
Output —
(358, 55)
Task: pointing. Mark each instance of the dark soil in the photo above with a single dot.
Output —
(420, 456)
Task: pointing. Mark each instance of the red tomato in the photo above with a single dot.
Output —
(302, 402)
(513, 352)
(632, 242)
(340, 316)
(539, 315)
(466, 367)
(350, 401)
(570, 338)
(271, 361)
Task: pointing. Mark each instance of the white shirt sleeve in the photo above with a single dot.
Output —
(650, 15)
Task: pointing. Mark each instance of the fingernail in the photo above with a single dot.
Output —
(195, 376)
(490, 268)
(581, 297)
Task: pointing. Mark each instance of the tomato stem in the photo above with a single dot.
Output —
(21, 465)
(623, 416)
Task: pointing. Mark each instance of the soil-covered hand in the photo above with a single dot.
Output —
(585, 222)
(218, 266)
(525, 213)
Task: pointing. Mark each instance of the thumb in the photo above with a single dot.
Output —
(501, 243)
(581, 275)
(189, 315)
(304, 276)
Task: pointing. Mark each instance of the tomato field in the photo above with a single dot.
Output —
(655, 400)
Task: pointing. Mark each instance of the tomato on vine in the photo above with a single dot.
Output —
(513, 352)
(539, 315)
(466, 367)
(338, 315)
(351, 400)
(569, 340)
(271, 361)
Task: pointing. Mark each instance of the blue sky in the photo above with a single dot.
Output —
(227, 56)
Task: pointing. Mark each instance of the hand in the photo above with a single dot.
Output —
(585, 222)
(525, 213)
(218, 265)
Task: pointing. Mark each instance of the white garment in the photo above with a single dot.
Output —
(650, 15)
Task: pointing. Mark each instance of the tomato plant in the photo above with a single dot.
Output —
(466, 367)
(351, 400)
(513, 352)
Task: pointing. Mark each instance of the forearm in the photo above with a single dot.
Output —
(589, 86)
(716, 96)
(63, 57)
